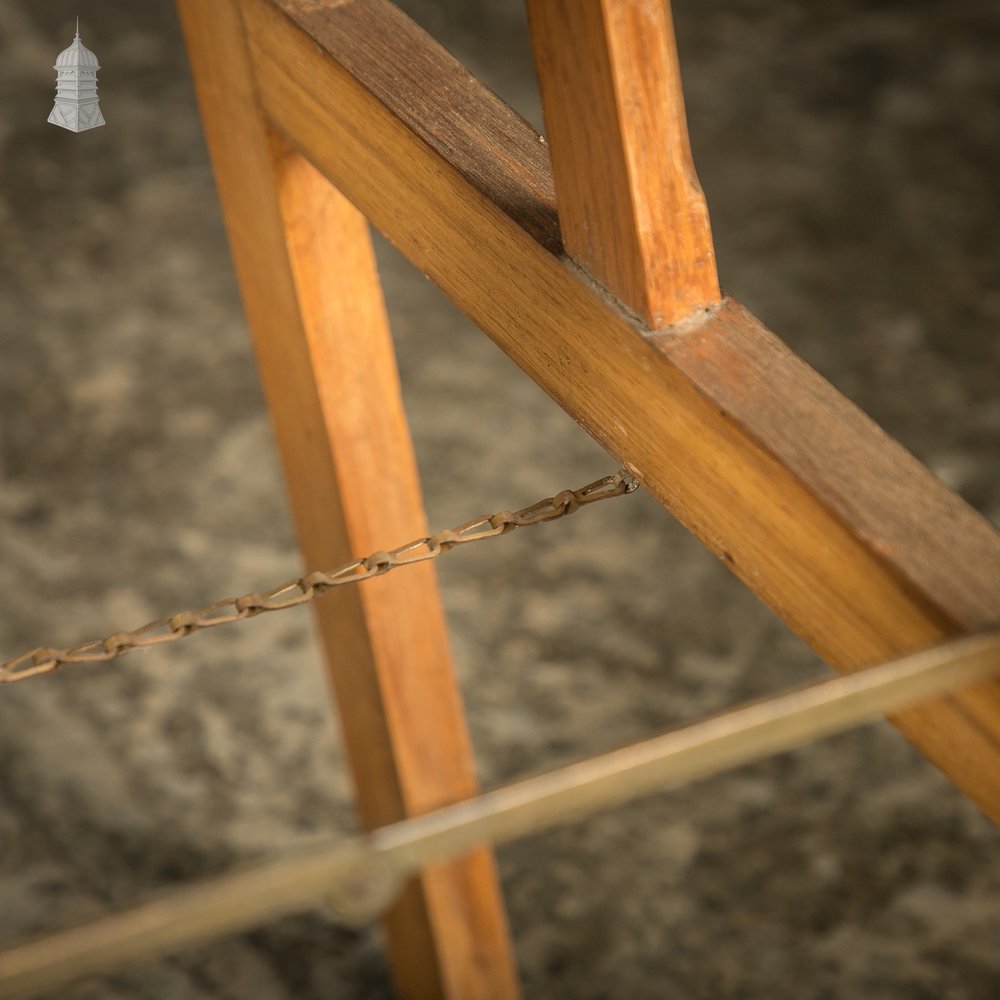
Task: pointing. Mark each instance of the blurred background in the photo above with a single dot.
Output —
(850, 155)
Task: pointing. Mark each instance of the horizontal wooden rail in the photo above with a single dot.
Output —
(840, 530)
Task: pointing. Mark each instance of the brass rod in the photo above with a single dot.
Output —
(360, 877)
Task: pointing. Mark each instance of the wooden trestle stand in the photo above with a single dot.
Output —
(320, 114)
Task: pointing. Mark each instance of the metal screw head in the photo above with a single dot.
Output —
(365, 888)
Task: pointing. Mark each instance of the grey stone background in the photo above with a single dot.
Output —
(850, 155)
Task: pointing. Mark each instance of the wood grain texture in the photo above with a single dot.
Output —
(840, 530)
(313, 300)
(631, 210)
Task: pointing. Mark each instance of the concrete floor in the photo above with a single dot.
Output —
(850, 156)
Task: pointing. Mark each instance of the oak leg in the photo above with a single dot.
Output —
(314, 305)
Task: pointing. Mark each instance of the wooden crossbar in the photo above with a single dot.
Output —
(850, 539)
(314, 106)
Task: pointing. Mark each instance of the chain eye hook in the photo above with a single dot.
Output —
(627, 480)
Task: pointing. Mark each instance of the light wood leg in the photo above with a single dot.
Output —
(631, 210)
(314, 304)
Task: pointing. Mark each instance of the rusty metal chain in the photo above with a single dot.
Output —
(303, 589)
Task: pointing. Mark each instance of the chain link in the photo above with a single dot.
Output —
(303, 589)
